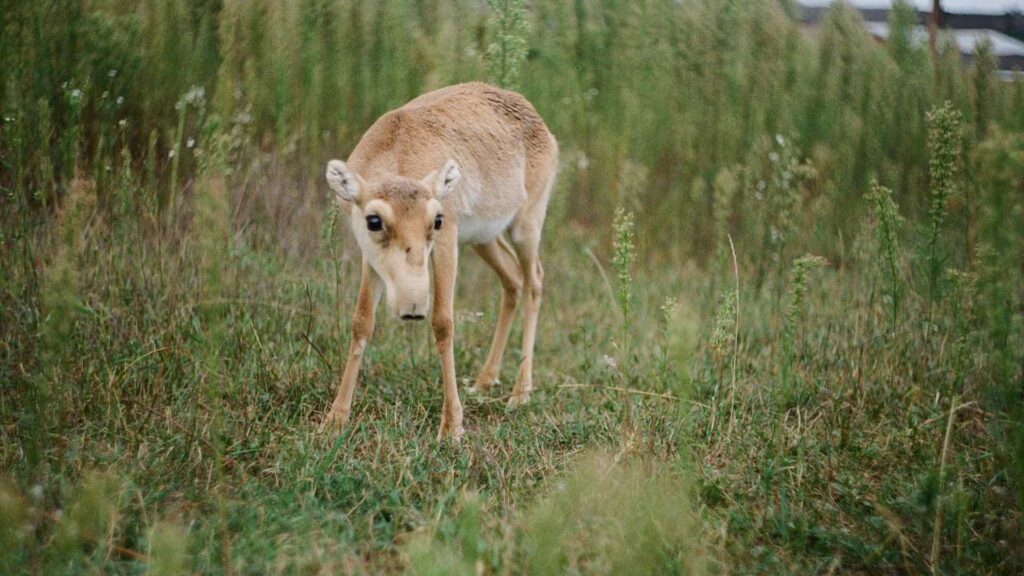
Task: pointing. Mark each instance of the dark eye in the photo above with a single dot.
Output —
(374, 224)
(438, 221)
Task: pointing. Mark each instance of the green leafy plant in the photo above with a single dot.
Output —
(887, 222)
(945, 146)
(622, 260)
(506, 54)
(798, 287)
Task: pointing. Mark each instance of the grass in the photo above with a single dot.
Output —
(175, 295)
(211, 454)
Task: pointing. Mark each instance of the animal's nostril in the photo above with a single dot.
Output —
(412, 316)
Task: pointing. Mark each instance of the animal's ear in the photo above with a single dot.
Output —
(442, 181)
(345, 183)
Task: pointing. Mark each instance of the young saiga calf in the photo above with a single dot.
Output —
(461, 164)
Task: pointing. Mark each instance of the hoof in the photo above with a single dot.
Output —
(483, 384)
(333, 422)
(454, 434)
(481, 388)
(518, 399)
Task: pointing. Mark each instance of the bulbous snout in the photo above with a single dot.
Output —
(409, 297)
(413, 307)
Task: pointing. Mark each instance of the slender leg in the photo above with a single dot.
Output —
(499, 255)
(527, 245)
(445, 260)
(362, 329)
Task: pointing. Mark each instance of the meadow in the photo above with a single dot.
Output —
(782, 329)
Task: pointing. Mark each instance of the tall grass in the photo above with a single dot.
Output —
(174, 291)
(688, 91)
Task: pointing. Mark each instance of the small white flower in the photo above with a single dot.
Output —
(170, 153)
(37, 491)
(582, 162)
(120, 100)
(780, 139)
(195, 95)
(122, 123)
(76, 93)
(773, 157)
(112, 73)
(609, 362)
(190, 142)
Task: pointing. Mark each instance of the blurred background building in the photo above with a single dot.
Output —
(967, 23)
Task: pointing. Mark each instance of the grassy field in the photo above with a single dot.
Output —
(782, 328)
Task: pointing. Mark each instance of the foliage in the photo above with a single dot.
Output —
(506, 53)
(945, 147)
(887, 221)
(174, 291)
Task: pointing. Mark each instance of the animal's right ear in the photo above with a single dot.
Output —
(344, 182)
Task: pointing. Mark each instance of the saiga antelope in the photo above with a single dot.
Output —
(461, 164)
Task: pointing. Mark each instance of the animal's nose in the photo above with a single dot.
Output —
(413, 316)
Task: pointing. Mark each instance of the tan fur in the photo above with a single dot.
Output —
(484, 159)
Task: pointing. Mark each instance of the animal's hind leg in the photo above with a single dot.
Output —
(499, 256)
(527, 244)
(525, 232)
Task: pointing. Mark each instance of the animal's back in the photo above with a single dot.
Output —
(495, 135)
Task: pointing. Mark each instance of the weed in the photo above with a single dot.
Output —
(887, 225)
(944, 166)
(623, 259)
(798, 287)
(505, 55)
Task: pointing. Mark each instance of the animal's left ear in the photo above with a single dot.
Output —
(442, 181)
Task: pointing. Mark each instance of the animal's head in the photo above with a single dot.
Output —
(396, 221)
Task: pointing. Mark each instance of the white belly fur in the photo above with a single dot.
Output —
(478, 231)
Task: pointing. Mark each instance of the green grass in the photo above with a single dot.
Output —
(219, 445)
(175, 295)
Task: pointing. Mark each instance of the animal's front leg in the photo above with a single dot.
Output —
(362, 329)
(443, 320)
